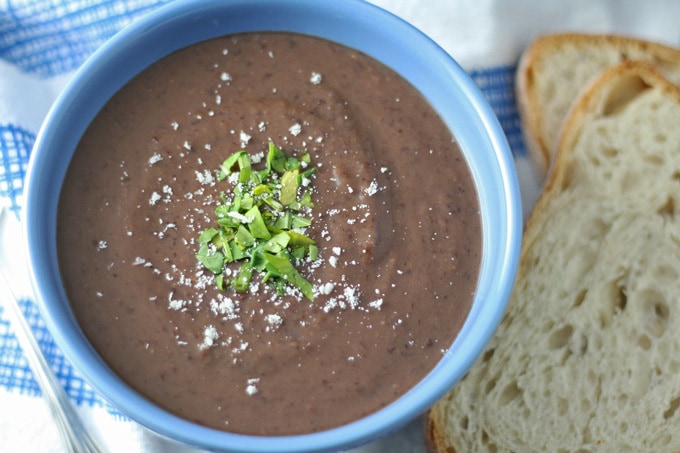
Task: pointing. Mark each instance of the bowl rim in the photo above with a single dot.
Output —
(500, 201)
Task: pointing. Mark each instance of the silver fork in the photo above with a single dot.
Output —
(73, 432)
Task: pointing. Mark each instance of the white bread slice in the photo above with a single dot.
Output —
(587, 355)
(553, 71)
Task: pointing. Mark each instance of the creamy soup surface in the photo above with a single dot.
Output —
(395, 218)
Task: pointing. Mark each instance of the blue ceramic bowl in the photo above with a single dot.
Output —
(355, 24)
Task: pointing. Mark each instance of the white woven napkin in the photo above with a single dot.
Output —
(42, 42)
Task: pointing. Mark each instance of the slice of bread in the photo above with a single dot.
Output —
(587, 355)
(554, 69)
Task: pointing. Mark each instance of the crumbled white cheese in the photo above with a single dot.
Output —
(326, 288)
(225, 307)
(155, 158)
(274, 321)
(244, 138)
(251, 388)
(295, 129)
(256, 158)
(372, 189)
(240, 217)
(376, 304)
(210, 335)
(175, 304)
(316, 78)
(352, 296)
(233, 178)
(154, 198)
(205, 177)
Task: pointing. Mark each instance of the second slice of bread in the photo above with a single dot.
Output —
(555, 69)
(587, 356)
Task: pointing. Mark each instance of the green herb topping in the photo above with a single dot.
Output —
(262, 224)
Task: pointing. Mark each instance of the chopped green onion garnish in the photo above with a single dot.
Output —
(289, 187)
(262, 223)
(212, 259)
(280, 266)
(257, 226)
(242, 280)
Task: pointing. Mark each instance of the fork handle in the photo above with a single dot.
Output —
(71, 429)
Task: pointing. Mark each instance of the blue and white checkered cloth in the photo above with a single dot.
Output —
(43, 41)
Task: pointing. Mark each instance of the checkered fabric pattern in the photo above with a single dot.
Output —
(47, 38)
(15, 148)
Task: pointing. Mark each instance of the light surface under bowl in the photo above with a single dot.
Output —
(350, 22)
